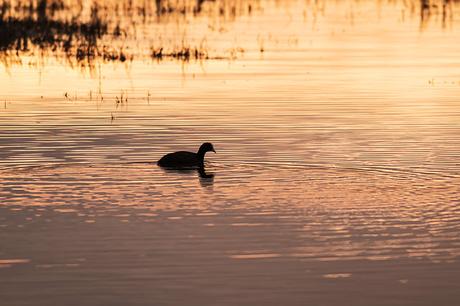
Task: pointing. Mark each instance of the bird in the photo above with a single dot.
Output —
(184, 159)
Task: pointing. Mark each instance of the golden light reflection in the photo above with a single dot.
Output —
(340, 215)
(336, 123)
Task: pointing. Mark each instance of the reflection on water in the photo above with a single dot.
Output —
(6, 263)
(336, 182)
(89, 32)
(443, 8)
(361, 215)
(300, 229)
(85, 34)
(206, 178)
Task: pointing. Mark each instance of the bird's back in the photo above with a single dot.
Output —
(179, 159)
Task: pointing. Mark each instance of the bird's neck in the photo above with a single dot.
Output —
(201, 154)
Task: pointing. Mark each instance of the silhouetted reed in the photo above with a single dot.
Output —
(436, 7)
(183, 53)
(27, 26)
(119, 31)
(99, 30)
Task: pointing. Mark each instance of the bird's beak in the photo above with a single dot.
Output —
(214, 151)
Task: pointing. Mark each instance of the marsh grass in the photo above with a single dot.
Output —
(28, 27)
(84, 33)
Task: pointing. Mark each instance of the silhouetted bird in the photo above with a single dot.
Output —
(184, 159)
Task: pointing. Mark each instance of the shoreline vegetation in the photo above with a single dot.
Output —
(84, 32)
(110, 31)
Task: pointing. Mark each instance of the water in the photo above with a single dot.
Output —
(336, 178)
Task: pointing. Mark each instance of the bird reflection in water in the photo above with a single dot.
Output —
(206, 178)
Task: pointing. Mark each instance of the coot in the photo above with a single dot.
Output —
(184, 159)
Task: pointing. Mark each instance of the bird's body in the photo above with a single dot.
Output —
(184, 159)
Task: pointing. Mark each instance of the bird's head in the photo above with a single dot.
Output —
(207, 147)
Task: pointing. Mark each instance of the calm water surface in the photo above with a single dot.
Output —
(336, 178)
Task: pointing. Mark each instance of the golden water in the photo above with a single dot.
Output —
(336, 178)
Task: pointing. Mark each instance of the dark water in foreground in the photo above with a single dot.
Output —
(253, 234)
(336, 179)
